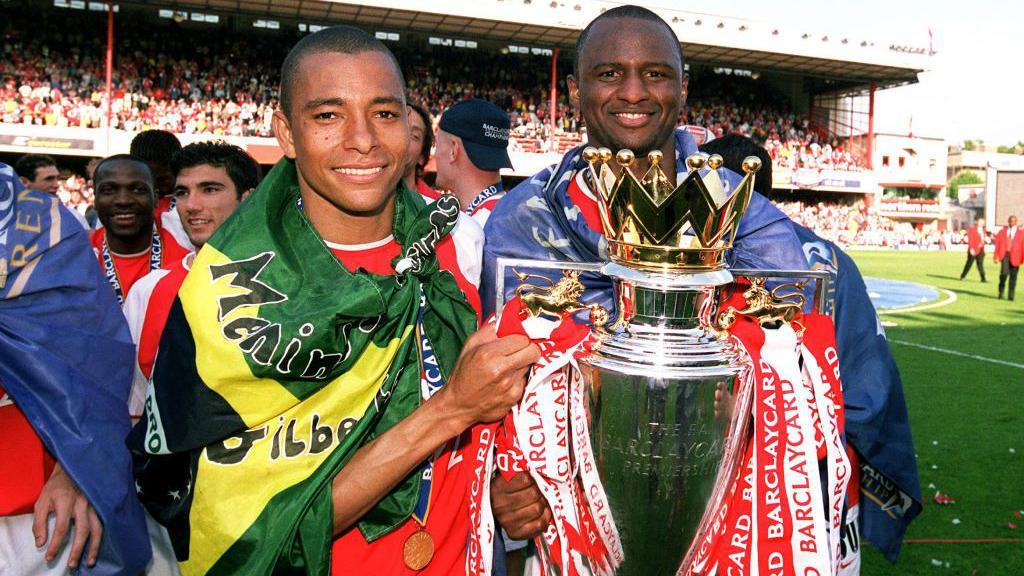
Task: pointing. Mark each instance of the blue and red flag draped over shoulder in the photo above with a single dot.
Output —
(877, 425)
(66, 361)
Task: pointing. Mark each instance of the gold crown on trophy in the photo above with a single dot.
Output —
(651, 223)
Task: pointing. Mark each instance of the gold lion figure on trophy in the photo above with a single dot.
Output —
(767, 306)
(557, 298)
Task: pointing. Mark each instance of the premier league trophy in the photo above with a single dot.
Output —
(659, 437)
(665, 430)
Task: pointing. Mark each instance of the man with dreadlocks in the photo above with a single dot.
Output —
(318, 384)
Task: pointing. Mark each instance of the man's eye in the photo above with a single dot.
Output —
(326, 116)
(606, 74)
(180, 193)
(387, 114)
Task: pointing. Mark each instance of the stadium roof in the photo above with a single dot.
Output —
(707, 38)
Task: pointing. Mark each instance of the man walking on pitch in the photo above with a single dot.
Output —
(310, 409)
(976, 238)
(1009, 255)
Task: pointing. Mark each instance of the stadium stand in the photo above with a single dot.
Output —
(188, 81)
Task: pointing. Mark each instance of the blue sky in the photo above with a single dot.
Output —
(976, 86)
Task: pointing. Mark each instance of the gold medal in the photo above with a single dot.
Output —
(418, 550)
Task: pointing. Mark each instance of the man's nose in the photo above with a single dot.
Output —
(633, 89)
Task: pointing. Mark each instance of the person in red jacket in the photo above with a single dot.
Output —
(1010, 255)
(976, 237)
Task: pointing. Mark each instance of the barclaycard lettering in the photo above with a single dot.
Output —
(796, 464)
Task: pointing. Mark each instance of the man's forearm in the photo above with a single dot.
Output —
(378, 467)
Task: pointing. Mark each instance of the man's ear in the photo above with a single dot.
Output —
(24, 181)
(574, 91)
(283, 133)
(455, 150)
(684, 92)
(246, 194)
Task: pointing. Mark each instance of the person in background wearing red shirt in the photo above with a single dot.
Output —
(976, 238)
(130, 244)
(212, 180)
(1009, 255)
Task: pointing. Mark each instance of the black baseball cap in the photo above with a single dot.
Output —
(483, 128)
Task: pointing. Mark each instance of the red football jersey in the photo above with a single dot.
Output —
(25, 465)
(447, 519)
(130, 268)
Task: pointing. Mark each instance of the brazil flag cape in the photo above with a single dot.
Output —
(275, 366)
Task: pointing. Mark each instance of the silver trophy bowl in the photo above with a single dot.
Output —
(660, 438)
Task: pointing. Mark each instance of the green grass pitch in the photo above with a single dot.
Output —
(967, 416)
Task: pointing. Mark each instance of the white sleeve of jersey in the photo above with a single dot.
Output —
(171, 222)
(135, 306)
(468, 237)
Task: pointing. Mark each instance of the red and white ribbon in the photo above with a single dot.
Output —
(773, 520)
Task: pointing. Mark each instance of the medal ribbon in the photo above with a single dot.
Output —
(110, 270)
(431, 381)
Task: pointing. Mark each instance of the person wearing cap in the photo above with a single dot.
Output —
(472, 147)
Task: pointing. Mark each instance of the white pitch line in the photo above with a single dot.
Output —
(958, 353)
(950, 298)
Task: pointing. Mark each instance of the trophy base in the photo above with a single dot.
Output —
(659, 444)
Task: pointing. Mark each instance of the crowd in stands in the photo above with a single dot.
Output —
(225, 83)
(856, 225)
(75, 192)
